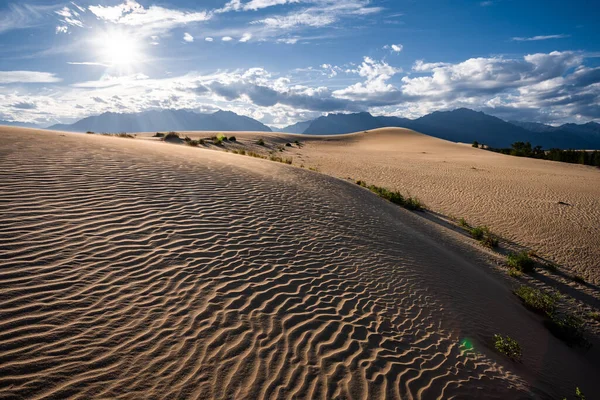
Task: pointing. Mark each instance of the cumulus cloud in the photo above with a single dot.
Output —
(541, 37)
(148, 21)
(188, 38)
(209, 39)
(549, 87)
(227, 38)
(27, 77)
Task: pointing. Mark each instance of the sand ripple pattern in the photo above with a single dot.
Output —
(128, 272)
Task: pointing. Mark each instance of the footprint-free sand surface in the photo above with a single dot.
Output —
(550, 207)
(139, 269)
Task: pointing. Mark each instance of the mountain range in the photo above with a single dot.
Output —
(463, 125)
(164, 120)
(460, 125)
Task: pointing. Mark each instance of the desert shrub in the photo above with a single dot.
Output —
(125, 135)
(187, 139)
(297, 143)
(201, 142)
(410, 203)
(221, 137)
(158, 134)
(508, 346)
(475, 144)
(414, 204)
(288, 145)
(477, 232)
(241, 152)
(90, 132)
(233, 139)
(515, 273)
(193, 143)
(260, 142)
(463, 223)
(280, 159)
(568, 328)
(256, 155)
(217, 140)
(521, 261)
(171, 136)
(595, 315)
(537, 300)
(489, 240)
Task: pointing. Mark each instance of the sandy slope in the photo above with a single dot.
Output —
(517, 197)
(132, 269)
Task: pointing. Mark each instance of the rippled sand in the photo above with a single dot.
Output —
(133, 269)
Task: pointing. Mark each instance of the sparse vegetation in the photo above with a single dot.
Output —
(124, 135)
(568, 328)
(241, 152)
(159, 135)
(481, 233)
(410, 203)
(171, 136)
(521, 261)
(515, 273)
(260, 142)
(288, 145)
(280, 159)
(297, 143)
(233, 139)
(536, 300)
(508, 346)
(193, 143)
(475, 144)
(90, 132)
(595, 315)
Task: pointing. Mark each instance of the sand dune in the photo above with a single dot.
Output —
(519, 198)
(134, 269)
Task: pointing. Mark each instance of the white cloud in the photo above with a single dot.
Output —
(227, 38)
(536, 38)
(62, 29)
(293, 20)
(188, 38)
(154, 19)
(27, 77)
(209, 39)
(377, 74)
(246, 37)
(394, 48)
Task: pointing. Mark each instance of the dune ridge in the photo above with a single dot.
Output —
(133, 269)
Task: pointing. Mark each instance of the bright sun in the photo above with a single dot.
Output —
(119, 49)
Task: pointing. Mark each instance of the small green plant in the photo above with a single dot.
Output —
(463, 223)
(508, 346)
(256, 155)
(595, 315)
(221, 137)
(537, 300)
(521, 261)
(260, 142)
(410, 203)
(515, 273)
(481, 233)
(478, 232)
(568, 328)
(233, 139)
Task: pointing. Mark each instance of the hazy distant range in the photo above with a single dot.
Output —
(461, 125)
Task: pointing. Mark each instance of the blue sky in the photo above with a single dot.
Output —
(284, 61)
